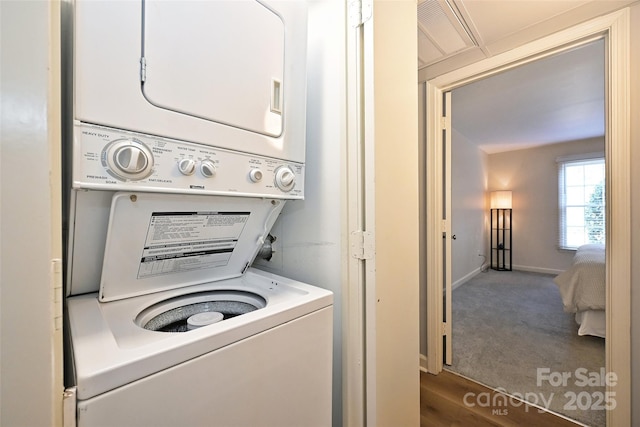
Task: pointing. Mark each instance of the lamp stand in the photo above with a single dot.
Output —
(501, 240)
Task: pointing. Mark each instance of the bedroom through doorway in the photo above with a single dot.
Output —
(614, 29)
(511, 132)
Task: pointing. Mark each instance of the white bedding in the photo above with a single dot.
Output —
(592, 322)
(583, 285)
(582, 288)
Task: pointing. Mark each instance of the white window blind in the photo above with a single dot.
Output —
(581, 202)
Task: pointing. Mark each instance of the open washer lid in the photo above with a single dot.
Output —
(159, 241)
(220, 60)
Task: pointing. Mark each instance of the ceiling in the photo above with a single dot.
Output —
(555, 99)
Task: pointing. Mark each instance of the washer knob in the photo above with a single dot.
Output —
(187, 166)
(255, 175)
(285, 178)
(207, 168)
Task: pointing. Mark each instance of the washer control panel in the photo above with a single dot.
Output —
(113, 159)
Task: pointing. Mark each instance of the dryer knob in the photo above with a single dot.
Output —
(131, 159)
(187, 166)
(128, 159)
(285, 178)
(207, 168)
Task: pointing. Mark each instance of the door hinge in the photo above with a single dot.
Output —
(444, 123)
(143, 69)
(56, 289)
(362, 245)
(446, 329)
(443, 225)
(69, 407)
(360, 11)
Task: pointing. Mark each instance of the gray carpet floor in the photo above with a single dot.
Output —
(508, 325)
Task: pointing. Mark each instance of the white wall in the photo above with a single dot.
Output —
(532, 175)
(308, 245)
(309, 233)
(30, 230)
(468, 217)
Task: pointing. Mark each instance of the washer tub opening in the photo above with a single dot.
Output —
(172, 315)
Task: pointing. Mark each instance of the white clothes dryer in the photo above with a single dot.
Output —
(223, 73)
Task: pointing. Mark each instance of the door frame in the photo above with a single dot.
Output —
(614, 28)
(381, 383)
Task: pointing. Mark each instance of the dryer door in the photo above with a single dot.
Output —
(220, 60)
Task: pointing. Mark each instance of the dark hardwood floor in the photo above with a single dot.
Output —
(450, 400)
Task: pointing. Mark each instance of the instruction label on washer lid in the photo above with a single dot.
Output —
(182, 241)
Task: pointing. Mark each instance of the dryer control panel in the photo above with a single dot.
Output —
(113, 159)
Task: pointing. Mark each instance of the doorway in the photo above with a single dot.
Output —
(614, 30)
(507, 135)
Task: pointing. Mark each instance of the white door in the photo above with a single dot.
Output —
(234, 74)
(447, 236)
(438, 228)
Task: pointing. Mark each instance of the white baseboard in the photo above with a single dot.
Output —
(537, 269)
(466, 278)
(423, 363)
(530, 269)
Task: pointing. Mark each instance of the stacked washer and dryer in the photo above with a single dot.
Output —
(188, 137)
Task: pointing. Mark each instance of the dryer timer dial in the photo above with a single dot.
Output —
(129, 159)
(285, 178)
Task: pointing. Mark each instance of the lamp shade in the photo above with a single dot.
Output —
(501, 200)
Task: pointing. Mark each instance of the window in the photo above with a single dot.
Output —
(581, 200)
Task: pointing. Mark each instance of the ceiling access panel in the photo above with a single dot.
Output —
(221, 61)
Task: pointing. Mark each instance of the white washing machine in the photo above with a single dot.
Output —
(174, 184)
(182, 331)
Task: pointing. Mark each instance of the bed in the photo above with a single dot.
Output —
(582, 288)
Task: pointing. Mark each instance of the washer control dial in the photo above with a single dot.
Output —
(285, 178)
(187, 166)
(207, 168)
(129, 159)
(255, 175)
